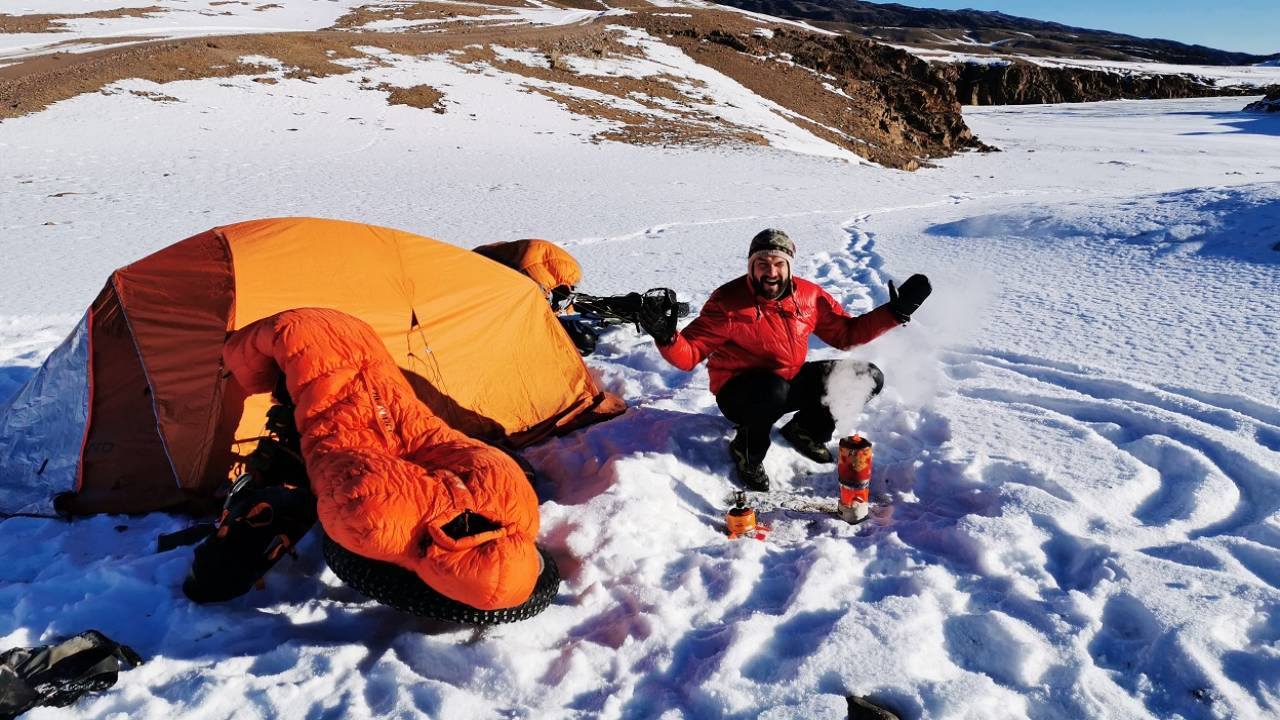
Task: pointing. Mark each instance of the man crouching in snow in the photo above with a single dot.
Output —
(754, 332)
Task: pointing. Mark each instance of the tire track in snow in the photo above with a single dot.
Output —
(1198, 449)
(1190, 445)
(1197, 445)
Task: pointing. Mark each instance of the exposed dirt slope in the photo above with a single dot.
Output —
(44, 23)
(36, 83)
(877, 102)
(874, 100)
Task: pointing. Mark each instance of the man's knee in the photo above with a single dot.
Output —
(852, 374)
(753, 397)
(877, 376)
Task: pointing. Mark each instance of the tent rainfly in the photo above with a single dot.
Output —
(134, 411)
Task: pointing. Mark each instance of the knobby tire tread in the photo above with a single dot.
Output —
(401, 589)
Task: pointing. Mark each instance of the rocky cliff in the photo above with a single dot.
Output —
(1270, 103)
(1024, 83)
(877, 101)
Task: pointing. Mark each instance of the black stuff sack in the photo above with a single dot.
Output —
(267, 511)
(57, 675)
(258, 527)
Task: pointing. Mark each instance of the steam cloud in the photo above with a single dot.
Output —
(848, 387)
(911, 356)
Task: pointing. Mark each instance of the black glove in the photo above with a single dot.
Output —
(658, 312)
(906, 300)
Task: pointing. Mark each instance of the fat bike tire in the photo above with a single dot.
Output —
(399, 588)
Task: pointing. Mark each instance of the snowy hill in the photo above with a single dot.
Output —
(1080, 429)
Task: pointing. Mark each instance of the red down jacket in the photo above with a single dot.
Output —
(738, 330)
(387, 473)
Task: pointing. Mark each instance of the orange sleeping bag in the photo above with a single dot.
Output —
(394, 482)
(542, 261)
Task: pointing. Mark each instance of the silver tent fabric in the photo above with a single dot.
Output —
(42, 428)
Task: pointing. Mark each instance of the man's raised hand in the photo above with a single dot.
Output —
(906, 300)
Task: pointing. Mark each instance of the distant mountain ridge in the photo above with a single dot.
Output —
(988, 32)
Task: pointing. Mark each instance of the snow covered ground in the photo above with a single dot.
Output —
(1081, 429)
(167, 19)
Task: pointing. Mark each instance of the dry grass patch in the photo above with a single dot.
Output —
(673, 118)
(504, 3)
(35, 84)
(419, 96)
(600, 45)
(56, 23)
(581, 4)
(600, 4)
(645, 129)
(437, 10)
(154, 96)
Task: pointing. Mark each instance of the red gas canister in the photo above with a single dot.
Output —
(854, 471)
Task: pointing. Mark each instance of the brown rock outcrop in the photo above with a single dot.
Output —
(1024, 83)
(1270, 103)
(876, 101)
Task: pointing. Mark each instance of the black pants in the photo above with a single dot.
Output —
(756, 399)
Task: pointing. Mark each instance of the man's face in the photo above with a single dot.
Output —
(770, 274)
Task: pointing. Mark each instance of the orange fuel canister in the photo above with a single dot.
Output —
(854, 471)
(740, 521)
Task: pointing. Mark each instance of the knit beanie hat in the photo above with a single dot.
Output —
(772, 240)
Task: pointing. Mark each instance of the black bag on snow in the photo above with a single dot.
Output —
(57, 675)
(266, 513)
(584, 336)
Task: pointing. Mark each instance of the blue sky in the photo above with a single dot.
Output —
(1241, 25)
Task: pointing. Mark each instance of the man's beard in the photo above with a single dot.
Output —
(771, 291)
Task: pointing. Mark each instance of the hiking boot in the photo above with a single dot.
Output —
(751, 475)
(805, 443)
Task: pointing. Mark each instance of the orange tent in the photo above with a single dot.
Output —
(165, 423)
